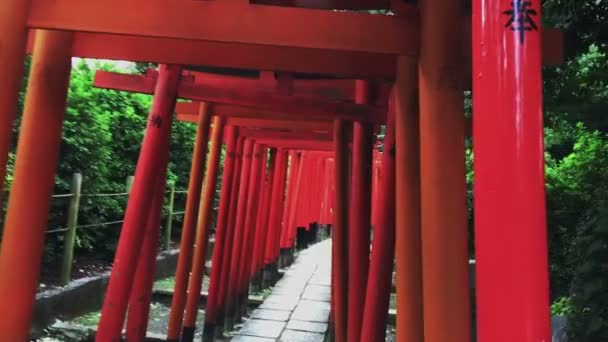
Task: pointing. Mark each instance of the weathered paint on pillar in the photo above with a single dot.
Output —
(408, 243)
(442, 169)
(277, 203)
(340, 233)
(510, 214)
(263, 228)
(204, 228)
(280, 218)
(239, 226)
(186, 248)
(359, 216)
(228, 252)
(29, 200)
(379, 282)
(13, 37)
(296, 200)
(294, 161)
(141, 294)
(253, 201)
(211, 307)
(146, 174)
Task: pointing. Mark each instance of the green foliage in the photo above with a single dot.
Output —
(578, 90)
(562, 306)
(101, 140)
(576, 140)
(583, 22)
(589, 317)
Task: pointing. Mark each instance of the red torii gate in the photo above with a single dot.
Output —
(293, 140)
(431, 208)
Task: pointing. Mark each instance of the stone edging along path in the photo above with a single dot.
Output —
(85, 295)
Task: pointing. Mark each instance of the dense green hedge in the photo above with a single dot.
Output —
(101, 140)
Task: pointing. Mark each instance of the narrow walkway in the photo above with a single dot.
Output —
(298, 308)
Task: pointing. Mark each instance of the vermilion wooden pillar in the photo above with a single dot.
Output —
(294, 165)
(280, 220)
(253, 200)
(141, 294)
(442, 169)
(13, 37)
(510, 224)
(325, 199)
(230, 238)
(37, 154)
(340, 233)
(146, 175)
(296, 200)
(408, 243)
(202, 234)
(275, 212)
(221, 233)
(184, 262)
(263, 216)
(376, 177)
(239, 234)
(359, 216)
(380, 278)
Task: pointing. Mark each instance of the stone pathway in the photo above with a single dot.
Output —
(298, 308)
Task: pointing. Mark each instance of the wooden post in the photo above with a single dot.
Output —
(221, 235)
(442, 166)
(253, 201)
(408, 243)
(141, 294)
(277, 203)
(202, 235)
(34, 179)
(70, 234)
(510, 216)
(13, 37)
(380, 277)
(296, 200)
(146, 174)
(340, 234)
(257, 261)
(186, 244)
(239, 232)
(169, 224)
(129, 184)
(224, 316)
(359, 216)
(293, 167)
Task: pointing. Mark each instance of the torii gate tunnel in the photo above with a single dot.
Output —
(307, 87)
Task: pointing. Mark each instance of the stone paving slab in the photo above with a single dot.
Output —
(241, 338)
(300, 336)
(262, 328)
(310, 314)
(278, 298)
(298, 308)
(294, 324)
(314, 305)
(317, 292)
(271, 315)
(286, 306)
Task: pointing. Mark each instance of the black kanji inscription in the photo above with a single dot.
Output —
(521, 18)
(155, 121)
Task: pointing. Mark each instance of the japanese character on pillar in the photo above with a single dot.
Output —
(155, 120)
(521, 18)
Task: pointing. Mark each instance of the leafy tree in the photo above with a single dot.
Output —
(576, 98)
(101, 139)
